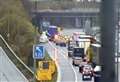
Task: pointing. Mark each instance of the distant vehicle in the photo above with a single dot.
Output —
(81, 35)
(70, 51)
(95, 49)
(52, 31)
(60, 40)
(70, 48)
(78, 55)
(76, 35)
(87, 72)
(43, 38)
(91, 38)
(83, 43)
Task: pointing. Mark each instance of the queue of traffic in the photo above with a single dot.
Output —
(84, 51)
(82, 48)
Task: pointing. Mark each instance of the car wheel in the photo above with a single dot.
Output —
(83, 78)
(90, 78)
(73, 63)
(56, 43)
(69, 55)
(80, 69)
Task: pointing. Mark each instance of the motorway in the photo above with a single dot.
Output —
(8, 71)
(64, 51)
(68, 72)
(79, 76)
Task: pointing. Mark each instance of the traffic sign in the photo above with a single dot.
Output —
(38, 52)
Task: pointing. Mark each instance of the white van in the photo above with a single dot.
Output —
(43, 38)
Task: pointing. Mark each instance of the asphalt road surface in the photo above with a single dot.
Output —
(64, 51)
(65, 63)
(8, 71)
(69, 32)
(66, 70)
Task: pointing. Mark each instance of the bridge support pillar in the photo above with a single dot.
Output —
(77, 22)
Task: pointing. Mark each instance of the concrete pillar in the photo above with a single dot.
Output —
(88, 27)
(77, 22)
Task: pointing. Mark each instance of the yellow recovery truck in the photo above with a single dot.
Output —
(45, 70)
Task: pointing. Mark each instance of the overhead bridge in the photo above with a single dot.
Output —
(65, 13)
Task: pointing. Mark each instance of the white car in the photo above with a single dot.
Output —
(43, 38)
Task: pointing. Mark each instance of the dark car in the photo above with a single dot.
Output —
(70, 51)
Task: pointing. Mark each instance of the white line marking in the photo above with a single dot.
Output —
(69, 62)
(71, 65)
(58, 67)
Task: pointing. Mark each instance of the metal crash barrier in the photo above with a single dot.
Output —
(27, 72)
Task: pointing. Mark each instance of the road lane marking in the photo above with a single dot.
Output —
(70, 64)
(67, 60)
(58, 67)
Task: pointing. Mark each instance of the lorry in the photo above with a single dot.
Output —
(76, 35)
(52, 31)
(95, 49)
(79, 52)
(78, 55)
(91, 38)
(71, 45)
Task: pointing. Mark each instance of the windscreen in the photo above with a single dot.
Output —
(70, 48)
(45, 65)
(52, 31)
(78, 52)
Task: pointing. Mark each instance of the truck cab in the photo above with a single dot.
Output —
(78, 55)
(45, 70)
(51, 32)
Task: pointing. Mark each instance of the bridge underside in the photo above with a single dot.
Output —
(67, 19)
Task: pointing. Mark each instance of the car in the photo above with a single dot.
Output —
(70, 51)
(87, 72)
(70, 48)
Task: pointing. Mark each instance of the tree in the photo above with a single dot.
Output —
(15, 22)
